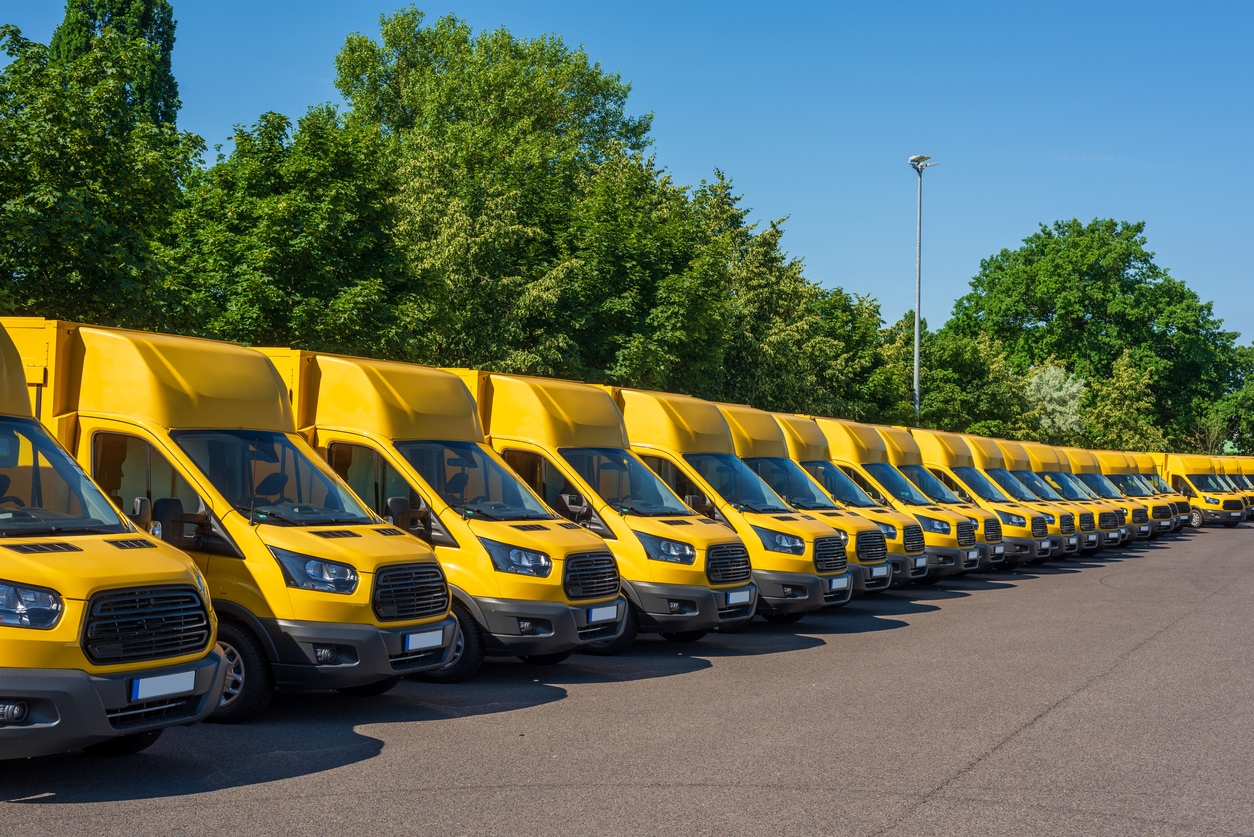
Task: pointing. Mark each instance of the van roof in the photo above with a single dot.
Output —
(1187, 463)
(1144, 463)
(754, 432)
(805, 440)
(1015, 455)
(943, 448)
(1082, 461)
(674, 422)
(852, 441)
(902, 447)
(1116, 462)
(985, 451)
(546, 411)
(1046, 457)
(12, 379)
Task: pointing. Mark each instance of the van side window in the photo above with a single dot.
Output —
(862, 482)
(371, 477)
(672, 476)
(541, 475)
(1180, 485)
(952, 484)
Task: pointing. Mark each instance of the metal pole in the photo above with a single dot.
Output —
(918, 262)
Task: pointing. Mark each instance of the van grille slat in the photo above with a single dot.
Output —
(1233, 505)
(1140, 516)
(1108, 520)
(728, 564)
(133, 543)
(151, 712)
(149, 623)
(966, 533)
(591, 576)
(871, 547)
(1066, 524)
(829, 555)
(36, 548)
(1086, 521)
(409, 591)
(1038, 527)
(1123, 516)
(1161, 512)
(912, 538)
(992, 531)
(336, 533)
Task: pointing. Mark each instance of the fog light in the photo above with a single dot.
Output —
(324, 654)
(791, 592)
(12, 713)
(525, 626)
(681, 606)
(535, 627)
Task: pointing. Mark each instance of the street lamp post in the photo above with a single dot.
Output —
(918, 162)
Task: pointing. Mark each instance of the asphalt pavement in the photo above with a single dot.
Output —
(1091, 697)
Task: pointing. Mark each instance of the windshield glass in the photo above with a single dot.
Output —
(1011, 485)
(1225, 482)
(837, 483)
(1079, 484)
(735, 482)
(1037, 485)
(1130, 485)
(929, 484)
(980, 484)
(1206, 482)
(1100, 486)
(1158, 483)
(472, 481)
(43, 491)
(786, 479)
(1242, 481)
(624, 482)
(893, 482)
(270, 476)
(1064, 485)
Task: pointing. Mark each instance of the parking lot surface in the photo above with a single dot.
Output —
(1100, 696)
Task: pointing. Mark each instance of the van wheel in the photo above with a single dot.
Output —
(249, 681)
(125, 745)
(782, 618)
(611, 647)
(371, 689)
(1195, 518)
(468, 652)
(546, 659)
(683, 636)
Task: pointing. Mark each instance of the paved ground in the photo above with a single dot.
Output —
(1108, 696)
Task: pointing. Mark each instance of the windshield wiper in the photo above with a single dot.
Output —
(474, 511)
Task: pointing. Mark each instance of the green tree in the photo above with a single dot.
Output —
(151, 87)
(1120, 413)
(969, 386)
(1056, 397)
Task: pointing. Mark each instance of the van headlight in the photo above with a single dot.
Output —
(780, 542)
(29, 607)
(888, 531)
(665, 549)
(1211, 501)
(515, 559)
(306, 572)
(1012, 519)
(931, 524)
(1049, 518)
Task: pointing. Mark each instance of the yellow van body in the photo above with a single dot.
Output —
(107, 635)
(1054, 468)
(807, 446)
(682, 574)
(1230, 467)
(905, 456)
(1121, 469)
(1193, 475)
(312, 590)
(524, 583)
(1147, 470)
(950, 537)
(1019, 464)
(759, 442)
(1085, 466)
(1060, 522)
(800, 564)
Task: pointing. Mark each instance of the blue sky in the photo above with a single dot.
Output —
(1036, 112)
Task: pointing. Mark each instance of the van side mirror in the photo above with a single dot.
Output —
(142, 516)
(699, 503)
(573, 507)
(401, 514)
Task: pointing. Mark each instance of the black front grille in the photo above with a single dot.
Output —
(604, 630)
(871, 547)
(1161, 512)
(1066, 524)
(966, 534)
(1140, 516)
(591, 576)
(410, 660)
(35, 548)
(1108, 520)
(912, 538)
(151, 712)
(728, 564)
(409, 591)
(1233, 505)
(829, 555)
(1038, 527)
(1086, 521)
(992, 531)
(1123, 516)
(147, 623)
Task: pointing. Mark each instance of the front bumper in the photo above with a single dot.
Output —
(992, 556)
(69, 710)
(1027, 550)
(871, 577)
(1061, 545)
(364, 654)
(1219, 516)
(555, 626)
(699, 608)
(798, 593)
(906, 568)
(946, 561)
(1142, 531)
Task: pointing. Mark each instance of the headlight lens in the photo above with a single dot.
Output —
(28, 607)
(780, 542)
(1012, 519)
(664, 549)
(889, 532)
(515, 559)
(306, 572)
(1049, 518)
(931, 524)
(975, 521)
(1211, 501)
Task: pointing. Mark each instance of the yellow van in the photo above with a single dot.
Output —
(800, 564)
(1230, 468)
(1121, 470)
(312, 590)
(949, 536)
(1088, 470)
(106, 635)
(1059, 521)
(904, 454)
(682, 574)
(807, 446)
(408, 441)
(1019, 464)
(1147, 470)
(1210, 501)
(1054, 468)
(759, 442)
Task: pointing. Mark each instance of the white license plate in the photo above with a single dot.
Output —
(147, 688)
(1144, 528)
(738, 597)
(1234, 514)
(920, 561)
(605, 614)
(424, 640)
(1044, 544)
(879, 572)
(999, 550)
(1073, 541)
(1091, 539)
(973, 554)
(841, 583)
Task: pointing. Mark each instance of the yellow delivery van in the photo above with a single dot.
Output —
(1121, 470)
(1210, 501)
(312, 590)
(1088, 470)
(106, 633)
(1019, 465)
(1147, 470)
(1230, 468)
(408, 441)
(1054, 468)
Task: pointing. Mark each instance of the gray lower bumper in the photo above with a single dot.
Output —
(1026, 550)
(943, 561)
(553, 627)
(364, 654)
(992, 555)
(906, 568)
(1061, 545)
(798, 593)
(664, 608)
(871, 577)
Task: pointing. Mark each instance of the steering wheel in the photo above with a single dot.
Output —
(482, 498)
(17, 501)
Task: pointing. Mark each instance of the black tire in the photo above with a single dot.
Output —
(371, 689)
(468, 651)
(126, 745)
(683, 636)
(612, 647)
(546, 659)
(1195, 519)
(931, 578)
(782, 618)
(249, 681)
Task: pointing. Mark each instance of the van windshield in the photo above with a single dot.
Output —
(1130, 485)
(929, 484)
(786, 479)
(1061, 482)
(268, 476)
(1243, 481)
(43, 491)
(980, 484)
(736, 483)
(892, 481)
(624, 482)
(1037, 485)
(1100, 486)
(1011, 485)
(837, 483)
(1158, 482)
(1206, 482)
(472, 481)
